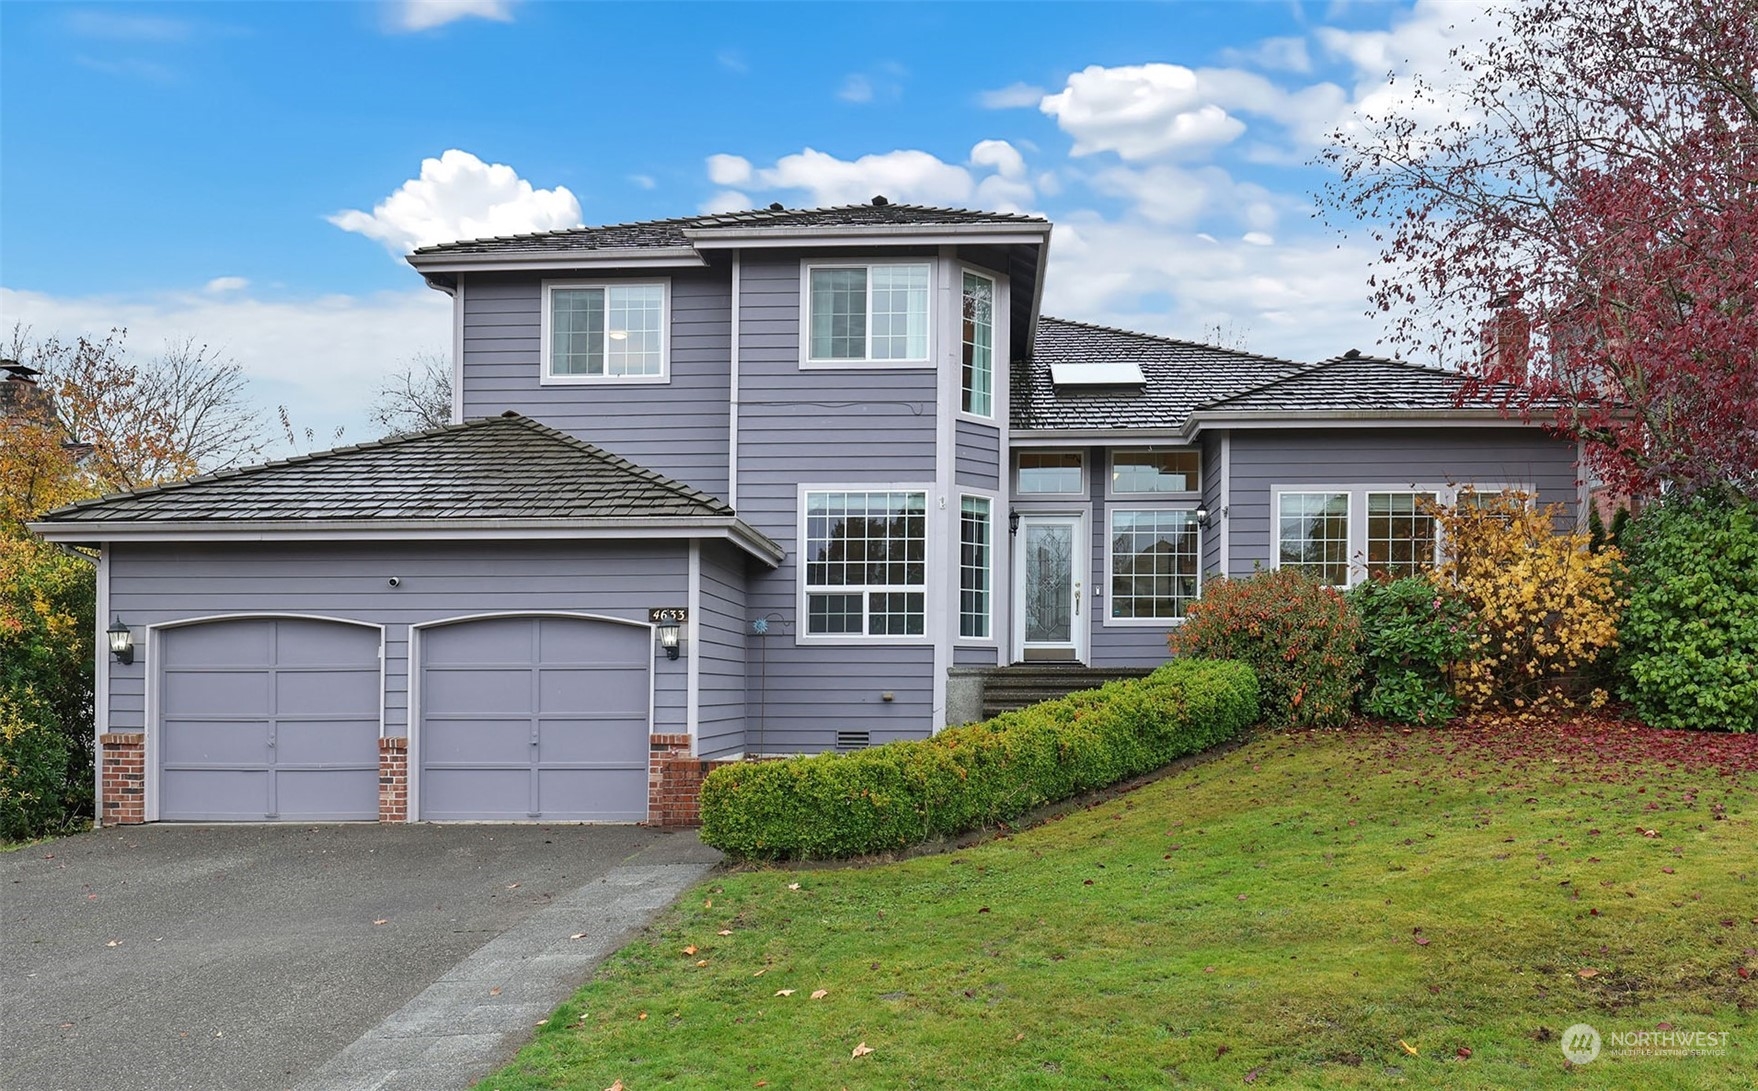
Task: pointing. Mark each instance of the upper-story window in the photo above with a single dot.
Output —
(867, 314)
(1049, 473)
(1153, 472)
(979, 345)
(604, 332)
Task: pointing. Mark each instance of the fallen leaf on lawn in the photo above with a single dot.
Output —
(862, 1050)
(1020, 1037)
(1589, 972)
(819, 994)
(1208, 969)
(724, 932)
(578, 935)
(1408, 1048)
(496, 991)
(709, 904)
(785, 992)
(1422, 941)
(1251, 1077)
(690, 950)
(1242, 897)
(793, 886)
(617, 1086)
(1667, 871)
(701, 962)
(382, 920)
(643, 1018)
(761, 1083)
(1649, 833)
(1464, 1053)
(761, 972)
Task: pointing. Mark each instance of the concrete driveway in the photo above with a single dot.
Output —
(261, 957)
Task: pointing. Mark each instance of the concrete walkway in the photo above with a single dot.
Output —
(217, 958)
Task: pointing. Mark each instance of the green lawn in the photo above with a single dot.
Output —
(1341, 909)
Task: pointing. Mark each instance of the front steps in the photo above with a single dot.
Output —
(1023, 684)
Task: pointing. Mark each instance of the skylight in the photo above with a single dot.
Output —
(1109, 373)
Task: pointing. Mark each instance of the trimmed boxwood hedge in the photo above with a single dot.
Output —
(902, 793)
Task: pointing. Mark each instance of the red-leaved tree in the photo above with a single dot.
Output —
(1578, 232)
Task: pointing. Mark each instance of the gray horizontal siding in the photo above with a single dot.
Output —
(152, 584)
(679, 428)
(720, 630)
(1263, 460)
(977, 460)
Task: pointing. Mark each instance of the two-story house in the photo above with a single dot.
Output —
(732, 485)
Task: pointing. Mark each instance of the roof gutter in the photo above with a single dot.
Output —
(97, 531)
(719, 238)
(622, 257)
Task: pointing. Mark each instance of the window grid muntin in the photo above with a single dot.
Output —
(1163, 587)
(978, 376)
(606, 331)
(876, 313)
(1313, 535)
(898, 304)
(1400, 534)
(839, 314)
(1049, 473)
(976, 553)
(867, 552)
(1155, 472)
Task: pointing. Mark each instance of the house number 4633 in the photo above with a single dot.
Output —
(658, 614)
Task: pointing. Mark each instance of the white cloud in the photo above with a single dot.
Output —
(220, 285)
(417, 15)
(643, 181)
(1000, 156)
(132, 27)
(1140, 112)
(855, 88)
(1275, 54)
(458, 196)
(729, 170)
(320, 357)
(727, 200)
(1257, 238)
(1012, 97)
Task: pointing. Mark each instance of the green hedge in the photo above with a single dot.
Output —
(902, 793)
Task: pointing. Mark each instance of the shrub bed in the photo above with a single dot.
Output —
(902, 793)
(34, 758)
(1412, 631)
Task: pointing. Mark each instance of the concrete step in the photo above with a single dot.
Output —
(1023, 684)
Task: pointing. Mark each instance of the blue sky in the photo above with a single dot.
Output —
(246, 173)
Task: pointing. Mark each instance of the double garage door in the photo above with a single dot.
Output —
(521, 719)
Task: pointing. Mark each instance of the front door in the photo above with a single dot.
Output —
(1050, 588)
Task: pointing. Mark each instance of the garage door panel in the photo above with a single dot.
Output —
(590, 681)
(590, 795)
(217, 644)
(215, 742)
(216, 795)
(324, 693)
(489, 742)
(216, 693)
(621, 690)
(590, 741)
(462, 645)
(564, 641)
(327, 742)
(324, 794)
(482, 795)
(456, 691)
(302, 643)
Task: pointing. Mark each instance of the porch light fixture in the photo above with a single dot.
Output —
(1202, 516)
(1012, 523)
(668, 638)
(121, 642)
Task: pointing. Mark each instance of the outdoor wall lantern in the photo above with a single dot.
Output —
(1012, 522)
(1202, 517)
(121, 642)
(668, 638)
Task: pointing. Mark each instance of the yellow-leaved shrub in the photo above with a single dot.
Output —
(1546, 603)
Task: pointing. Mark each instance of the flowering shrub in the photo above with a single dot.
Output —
(33, 767)
(1690, 640)
(1546, 604)
(1302, 639)
(1412, 631)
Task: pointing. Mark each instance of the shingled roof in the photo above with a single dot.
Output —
(661, 234)
(1356, 383)
(1181, 377)
(508, 469)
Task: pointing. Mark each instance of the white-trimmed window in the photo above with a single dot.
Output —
(867, 314)
(978, 375)
(1400, 533)
(1154, 563)
(1049, 473)
(976, 566)
(1312, 534)
(865, 557)
(605, 332)
(1145, 473)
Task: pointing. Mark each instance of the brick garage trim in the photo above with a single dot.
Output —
(674, 781)
(122, 763)
(393, 780)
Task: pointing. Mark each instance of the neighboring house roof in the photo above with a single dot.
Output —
(680, 231)
(505, 472)
(1180, 377)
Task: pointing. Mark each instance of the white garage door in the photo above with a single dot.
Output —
(268, 719)
(530, 718)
